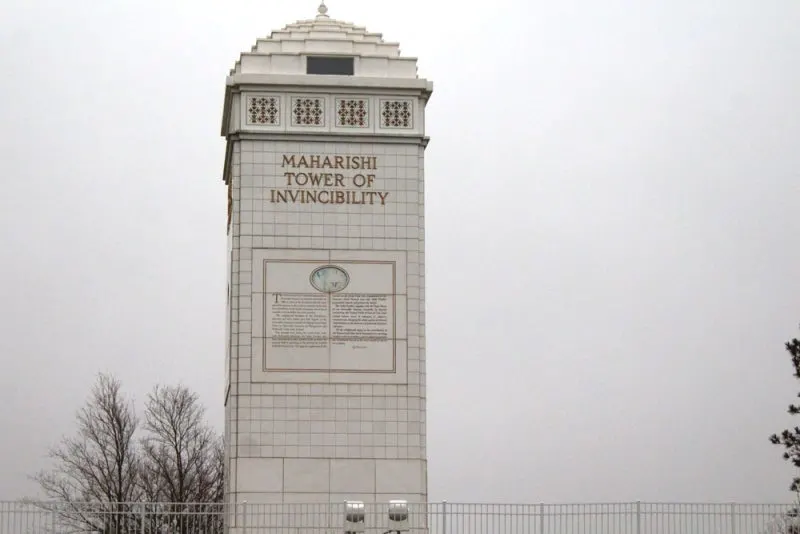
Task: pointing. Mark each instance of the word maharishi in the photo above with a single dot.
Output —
(308, 187)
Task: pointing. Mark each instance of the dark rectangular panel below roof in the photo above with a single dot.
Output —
(342, 66)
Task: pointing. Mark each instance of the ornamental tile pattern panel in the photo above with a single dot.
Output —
(308, 111)
(264, 110)
(397, 114)
(352, 113)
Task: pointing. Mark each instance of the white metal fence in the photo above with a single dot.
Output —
(435, 518)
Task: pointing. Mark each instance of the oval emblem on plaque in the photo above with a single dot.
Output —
(329, 279)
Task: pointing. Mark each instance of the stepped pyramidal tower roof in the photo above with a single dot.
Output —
(281, 52)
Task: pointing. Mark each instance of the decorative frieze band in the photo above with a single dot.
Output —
(327, 112)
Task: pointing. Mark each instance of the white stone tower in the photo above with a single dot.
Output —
(325, 366)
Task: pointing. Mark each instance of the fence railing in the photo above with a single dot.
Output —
(31, 517)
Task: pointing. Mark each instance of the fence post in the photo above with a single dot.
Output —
(244, 517)
(541, 518)
(143, 517)
(444, 517)
(53, 517)
(733, 518)
(638, 517)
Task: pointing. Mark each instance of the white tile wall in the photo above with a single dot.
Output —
(306, 475)
(260, 474)
(354, 476)
(325, 440)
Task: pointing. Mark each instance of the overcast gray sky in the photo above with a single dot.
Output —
(612, 230)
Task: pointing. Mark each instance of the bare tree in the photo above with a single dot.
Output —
(181, 462)
(98, 465)
(217, 482)
(174, 474)
(179, 450)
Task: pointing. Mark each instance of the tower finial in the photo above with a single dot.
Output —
(322, 9)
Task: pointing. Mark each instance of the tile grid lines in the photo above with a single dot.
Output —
(301, 426)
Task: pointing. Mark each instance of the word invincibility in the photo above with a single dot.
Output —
(304, 196)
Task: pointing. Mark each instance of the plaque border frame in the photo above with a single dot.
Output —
(261, 373)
